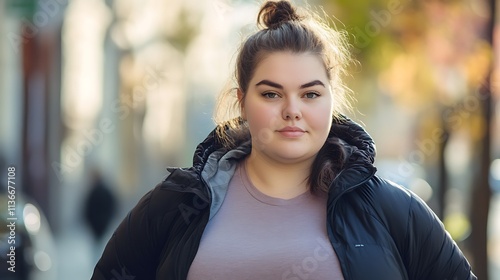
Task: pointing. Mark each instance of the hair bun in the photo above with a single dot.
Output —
(274, 13)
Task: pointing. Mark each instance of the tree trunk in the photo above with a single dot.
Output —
(481, 192)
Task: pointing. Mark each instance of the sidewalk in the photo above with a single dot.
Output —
(76, 251)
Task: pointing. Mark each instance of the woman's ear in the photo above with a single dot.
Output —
(241, 99)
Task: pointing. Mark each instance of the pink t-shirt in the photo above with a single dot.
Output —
(255, 236)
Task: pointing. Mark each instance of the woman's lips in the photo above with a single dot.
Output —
(291, 132)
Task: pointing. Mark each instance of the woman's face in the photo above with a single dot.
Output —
(288, 107)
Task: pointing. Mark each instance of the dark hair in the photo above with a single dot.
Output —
(283, 27)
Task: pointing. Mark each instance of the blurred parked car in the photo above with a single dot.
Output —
(27, 250)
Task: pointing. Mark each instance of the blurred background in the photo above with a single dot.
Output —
(98, 97)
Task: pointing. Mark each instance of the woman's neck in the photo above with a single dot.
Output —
(276, 179)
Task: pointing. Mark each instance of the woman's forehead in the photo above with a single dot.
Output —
(292, 68)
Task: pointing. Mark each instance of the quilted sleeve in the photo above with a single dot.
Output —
(133, 250)
(431, 252)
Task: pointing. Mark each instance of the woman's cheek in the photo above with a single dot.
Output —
(262, 124)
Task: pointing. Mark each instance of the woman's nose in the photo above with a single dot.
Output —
(291, 110)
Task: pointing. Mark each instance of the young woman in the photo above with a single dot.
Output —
(286, 190)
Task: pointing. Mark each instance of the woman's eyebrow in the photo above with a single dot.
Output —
(276, 85)
(313, 83)
(269, 83)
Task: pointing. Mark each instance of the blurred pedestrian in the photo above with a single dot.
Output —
(99, 206)
(287, 189)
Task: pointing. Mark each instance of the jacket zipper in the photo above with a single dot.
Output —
(342, 261)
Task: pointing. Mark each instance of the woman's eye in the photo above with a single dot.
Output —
(311, 95)
(270, 95)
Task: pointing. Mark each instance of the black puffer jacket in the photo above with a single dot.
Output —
(379, 230)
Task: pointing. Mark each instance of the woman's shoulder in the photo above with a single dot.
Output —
(391, 193)
(179, 192)
(388, 191)
(395, 204)
(392, 202)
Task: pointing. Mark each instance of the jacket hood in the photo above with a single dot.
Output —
(358, 145)
(356, 139)
(360, 155)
